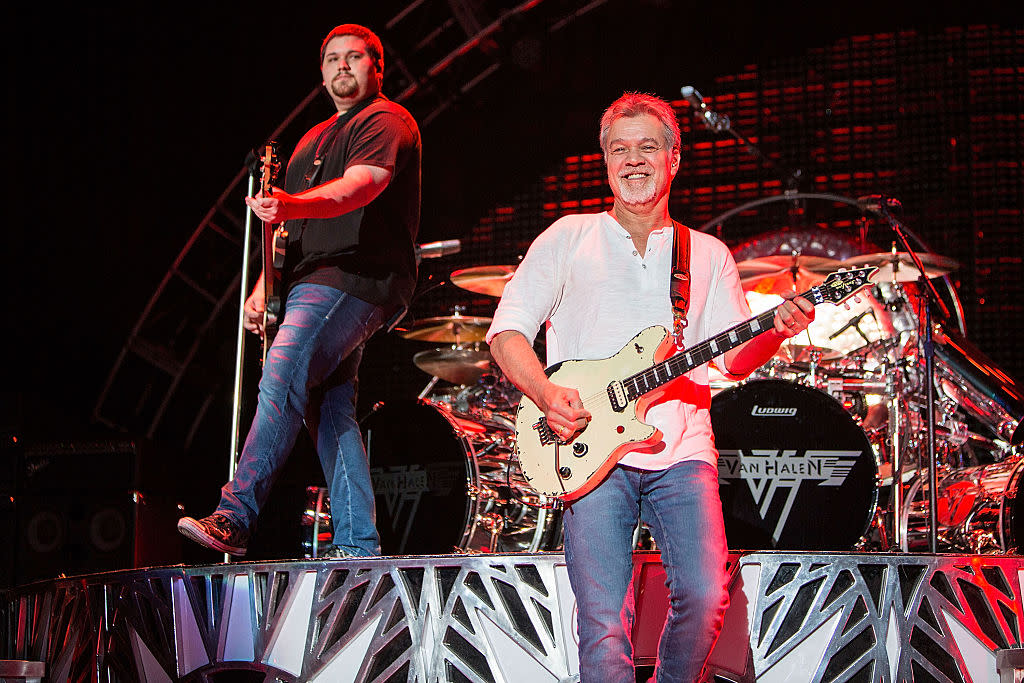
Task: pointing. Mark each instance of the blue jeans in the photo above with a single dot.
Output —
(310, 376)
(682, 508)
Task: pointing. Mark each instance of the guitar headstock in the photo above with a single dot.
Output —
(270, 167)
(843, 284)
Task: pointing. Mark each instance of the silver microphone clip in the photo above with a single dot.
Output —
(878, 204)
(712, 120)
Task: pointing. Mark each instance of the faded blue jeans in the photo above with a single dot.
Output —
(682, 508)
(310, 376)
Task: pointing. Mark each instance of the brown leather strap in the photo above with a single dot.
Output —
(679, 288)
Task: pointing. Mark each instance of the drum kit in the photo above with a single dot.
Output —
(823, 448)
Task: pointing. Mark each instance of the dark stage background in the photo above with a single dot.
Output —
(125, 126)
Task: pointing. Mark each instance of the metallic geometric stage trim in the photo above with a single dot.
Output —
(501, 618)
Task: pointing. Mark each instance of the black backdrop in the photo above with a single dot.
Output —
(124, 125)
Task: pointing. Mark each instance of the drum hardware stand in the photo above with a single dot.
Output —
(495, 524)
(932, 298)
(427, 389)
(893, 385)
(373, 409)
(316, 520)
(812, 367)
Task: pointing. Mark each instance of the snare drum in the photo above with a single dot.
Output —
(795, 471)
(444, 483)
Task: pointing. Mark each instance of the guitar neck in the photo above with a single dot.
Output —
(271, 269)
(679, 364)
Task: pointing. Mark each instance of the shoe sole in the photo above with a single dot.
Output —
(191, 530)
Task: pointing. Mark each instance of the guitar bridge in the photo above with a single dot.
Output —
(547, 437)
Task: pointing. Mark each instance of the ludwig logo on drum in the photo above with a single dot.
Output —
(768, 411)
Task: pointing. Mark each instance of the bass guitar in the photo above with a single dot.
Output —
(617, 389)
(275, 240)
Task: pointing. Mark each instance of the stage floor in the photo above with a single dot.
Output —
(510, 618)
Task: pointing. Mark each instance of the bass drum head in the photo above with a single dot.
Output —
(795, 471)
(420, 465)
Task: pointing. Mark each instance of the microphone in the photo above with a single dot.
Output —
(878, 204)
(437, 249)
(714, 122)
(855, 324)
(691, 95)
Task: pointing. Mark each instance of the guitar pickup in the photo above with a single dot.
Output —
(617, 396)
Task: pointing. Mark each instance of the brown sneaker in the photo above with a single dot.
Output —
(335, 552)
(215, 532)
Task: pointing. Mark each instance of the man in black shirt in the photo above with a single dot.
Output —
(351, 202)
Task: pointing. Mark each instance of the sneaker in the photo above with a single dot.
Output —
(335, 552)
(215, 532)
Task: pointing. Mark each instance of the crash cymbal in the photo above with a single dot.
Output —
(777, 262)
(448, 328)
(784, 273)
(490, 280)
(899, 266)
(780, 282)
(456, 365)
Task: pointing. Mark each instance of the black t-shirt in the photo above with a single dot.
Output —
(369, 252)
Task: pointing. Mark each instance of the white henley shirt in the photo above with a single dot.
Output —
(584, 280)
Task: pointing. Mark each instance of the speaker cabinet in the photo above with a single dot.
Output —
(87, 507)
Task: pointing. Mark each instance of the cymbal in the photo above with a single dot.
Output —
(783, 273)
(803, 353)
(899, 267)
(448, 328)
(490, 280)
(456, 365)
(776, 262)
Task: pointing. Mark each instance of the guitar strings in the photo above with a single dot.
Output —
(704, 347)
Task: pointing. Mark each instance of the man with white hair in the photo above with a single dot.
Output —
(593, 281)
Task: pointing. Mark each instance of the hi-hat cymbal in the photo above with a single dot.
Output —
(899, 266)
(448, 328)
(456, 365)
(804, 353)
(490, 280)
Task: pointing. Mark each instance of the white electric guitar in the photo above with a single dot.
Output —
(616, 390)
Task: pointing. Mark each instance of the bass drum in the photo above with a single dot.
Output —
(795, 471)
(443, 483)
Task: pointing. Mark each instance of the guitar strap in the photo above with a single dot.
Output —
(329, 134)
(679, 289)
(326, 137)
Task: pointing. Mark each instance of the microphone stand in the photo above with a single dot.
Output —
(931, 298)
(719, 123)
(236, 399)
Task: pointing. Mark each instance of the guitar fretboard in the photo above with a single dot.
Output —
(678, 365)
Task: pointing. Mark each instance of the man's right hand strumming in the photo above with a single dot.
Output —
(562, 406)
(563, 410)
(254, 308)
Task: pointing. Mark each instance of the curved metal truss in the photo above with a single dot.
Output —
(171, 368)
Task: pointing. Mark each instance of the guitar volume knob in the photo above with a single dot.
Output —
(564, 472)
(579, 449)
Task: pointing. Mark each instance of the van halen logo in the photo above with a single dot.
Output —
(402, 487)
(768, 470)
